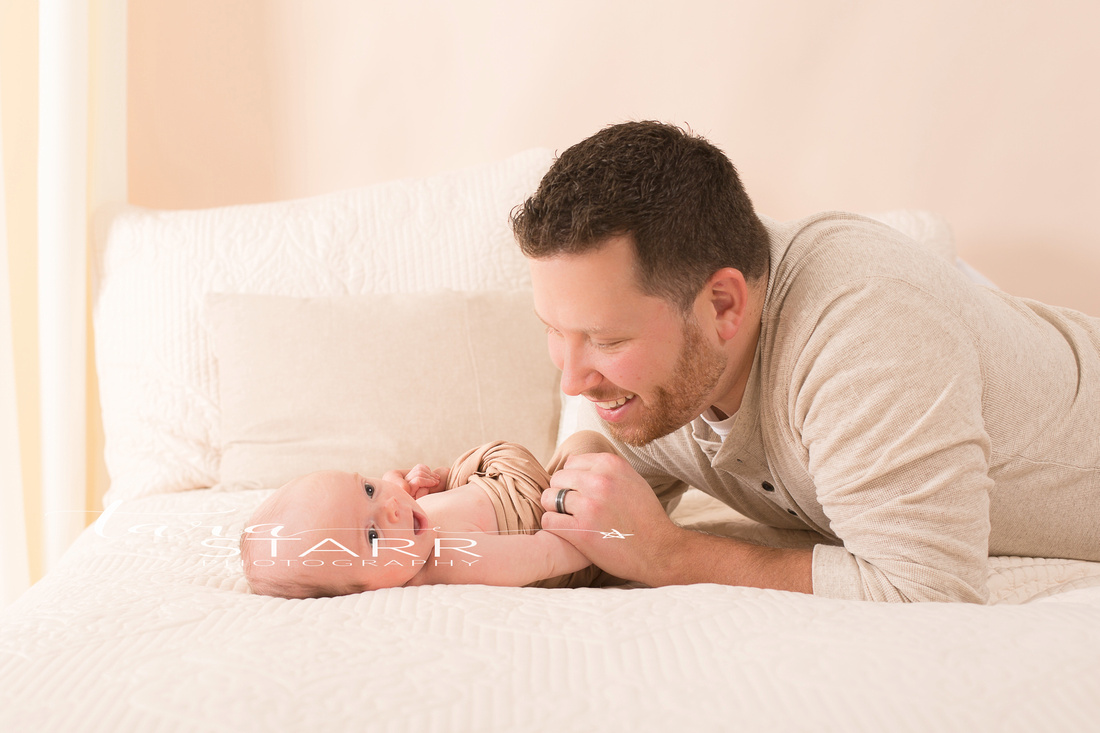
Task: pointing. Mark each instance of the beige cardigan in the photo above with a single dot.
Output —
(918, 422)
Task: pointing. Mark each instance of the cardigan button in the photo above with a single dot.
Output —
(767, 487)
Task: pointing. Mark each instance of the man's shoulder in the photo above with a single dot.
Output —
(821, 257)
(843, 243)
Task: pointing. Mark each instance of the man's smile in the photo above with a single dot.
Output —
(612, 404)
(614, 411)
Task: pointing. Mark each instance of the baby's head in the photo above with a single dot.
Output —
(331, 533)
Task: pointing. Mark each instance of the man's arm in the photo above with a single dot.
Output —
(705, 558)
(890, 409)
(502, 559)
(617, 522)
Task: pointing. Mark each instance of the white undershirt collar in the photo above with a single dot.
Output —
(721, 427)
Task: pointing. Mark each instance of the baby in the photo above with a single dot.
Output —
(331, 533)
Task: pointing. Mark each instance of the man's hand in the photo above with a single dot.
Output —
(613, 517)
(616, 521)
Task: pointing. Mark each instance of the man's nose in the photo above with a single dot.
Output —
(577, 376)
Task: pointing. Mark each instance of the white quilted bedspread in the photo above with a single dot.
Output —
(137, 631)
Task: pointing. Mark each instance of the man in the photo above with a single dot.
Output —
(826, 373)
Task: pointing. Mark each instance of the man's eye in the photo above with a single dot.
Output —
(369, 488)
(607, 344)
(372, 534)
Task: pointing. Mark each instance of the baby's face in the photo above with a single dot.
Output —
(351, 533)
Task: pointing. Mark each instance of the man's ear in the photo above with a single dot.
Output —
(726, 295)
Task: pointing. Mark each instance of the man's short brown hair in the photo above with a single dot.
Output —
(675, 194)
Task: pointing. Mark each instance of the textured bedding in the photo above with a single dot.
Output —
(138, 631)
(147, 623)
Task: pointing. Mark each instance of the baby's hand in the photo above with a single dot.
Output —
(398, 477)
(423, 480)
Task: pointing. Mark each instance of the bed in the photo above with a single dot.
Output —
(224, 343)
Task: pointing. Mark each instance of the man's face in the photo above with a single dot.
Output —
(646, 370)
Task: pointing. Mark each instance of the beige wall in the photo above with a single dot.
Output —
(984, 111)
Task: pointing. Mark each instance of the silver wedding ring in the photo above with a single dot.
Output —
(559, 502)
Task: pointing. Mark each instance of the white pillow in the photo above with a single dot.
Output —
(373, 382)
(158, 381)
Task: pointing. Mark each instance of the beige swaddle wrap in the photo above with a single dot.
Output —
(514, 481)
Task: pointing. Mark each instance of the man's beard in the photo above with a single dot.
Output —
(675, 404)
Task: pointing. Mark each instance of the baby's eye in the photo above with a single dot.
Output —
(369, 488)
(372, 534)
